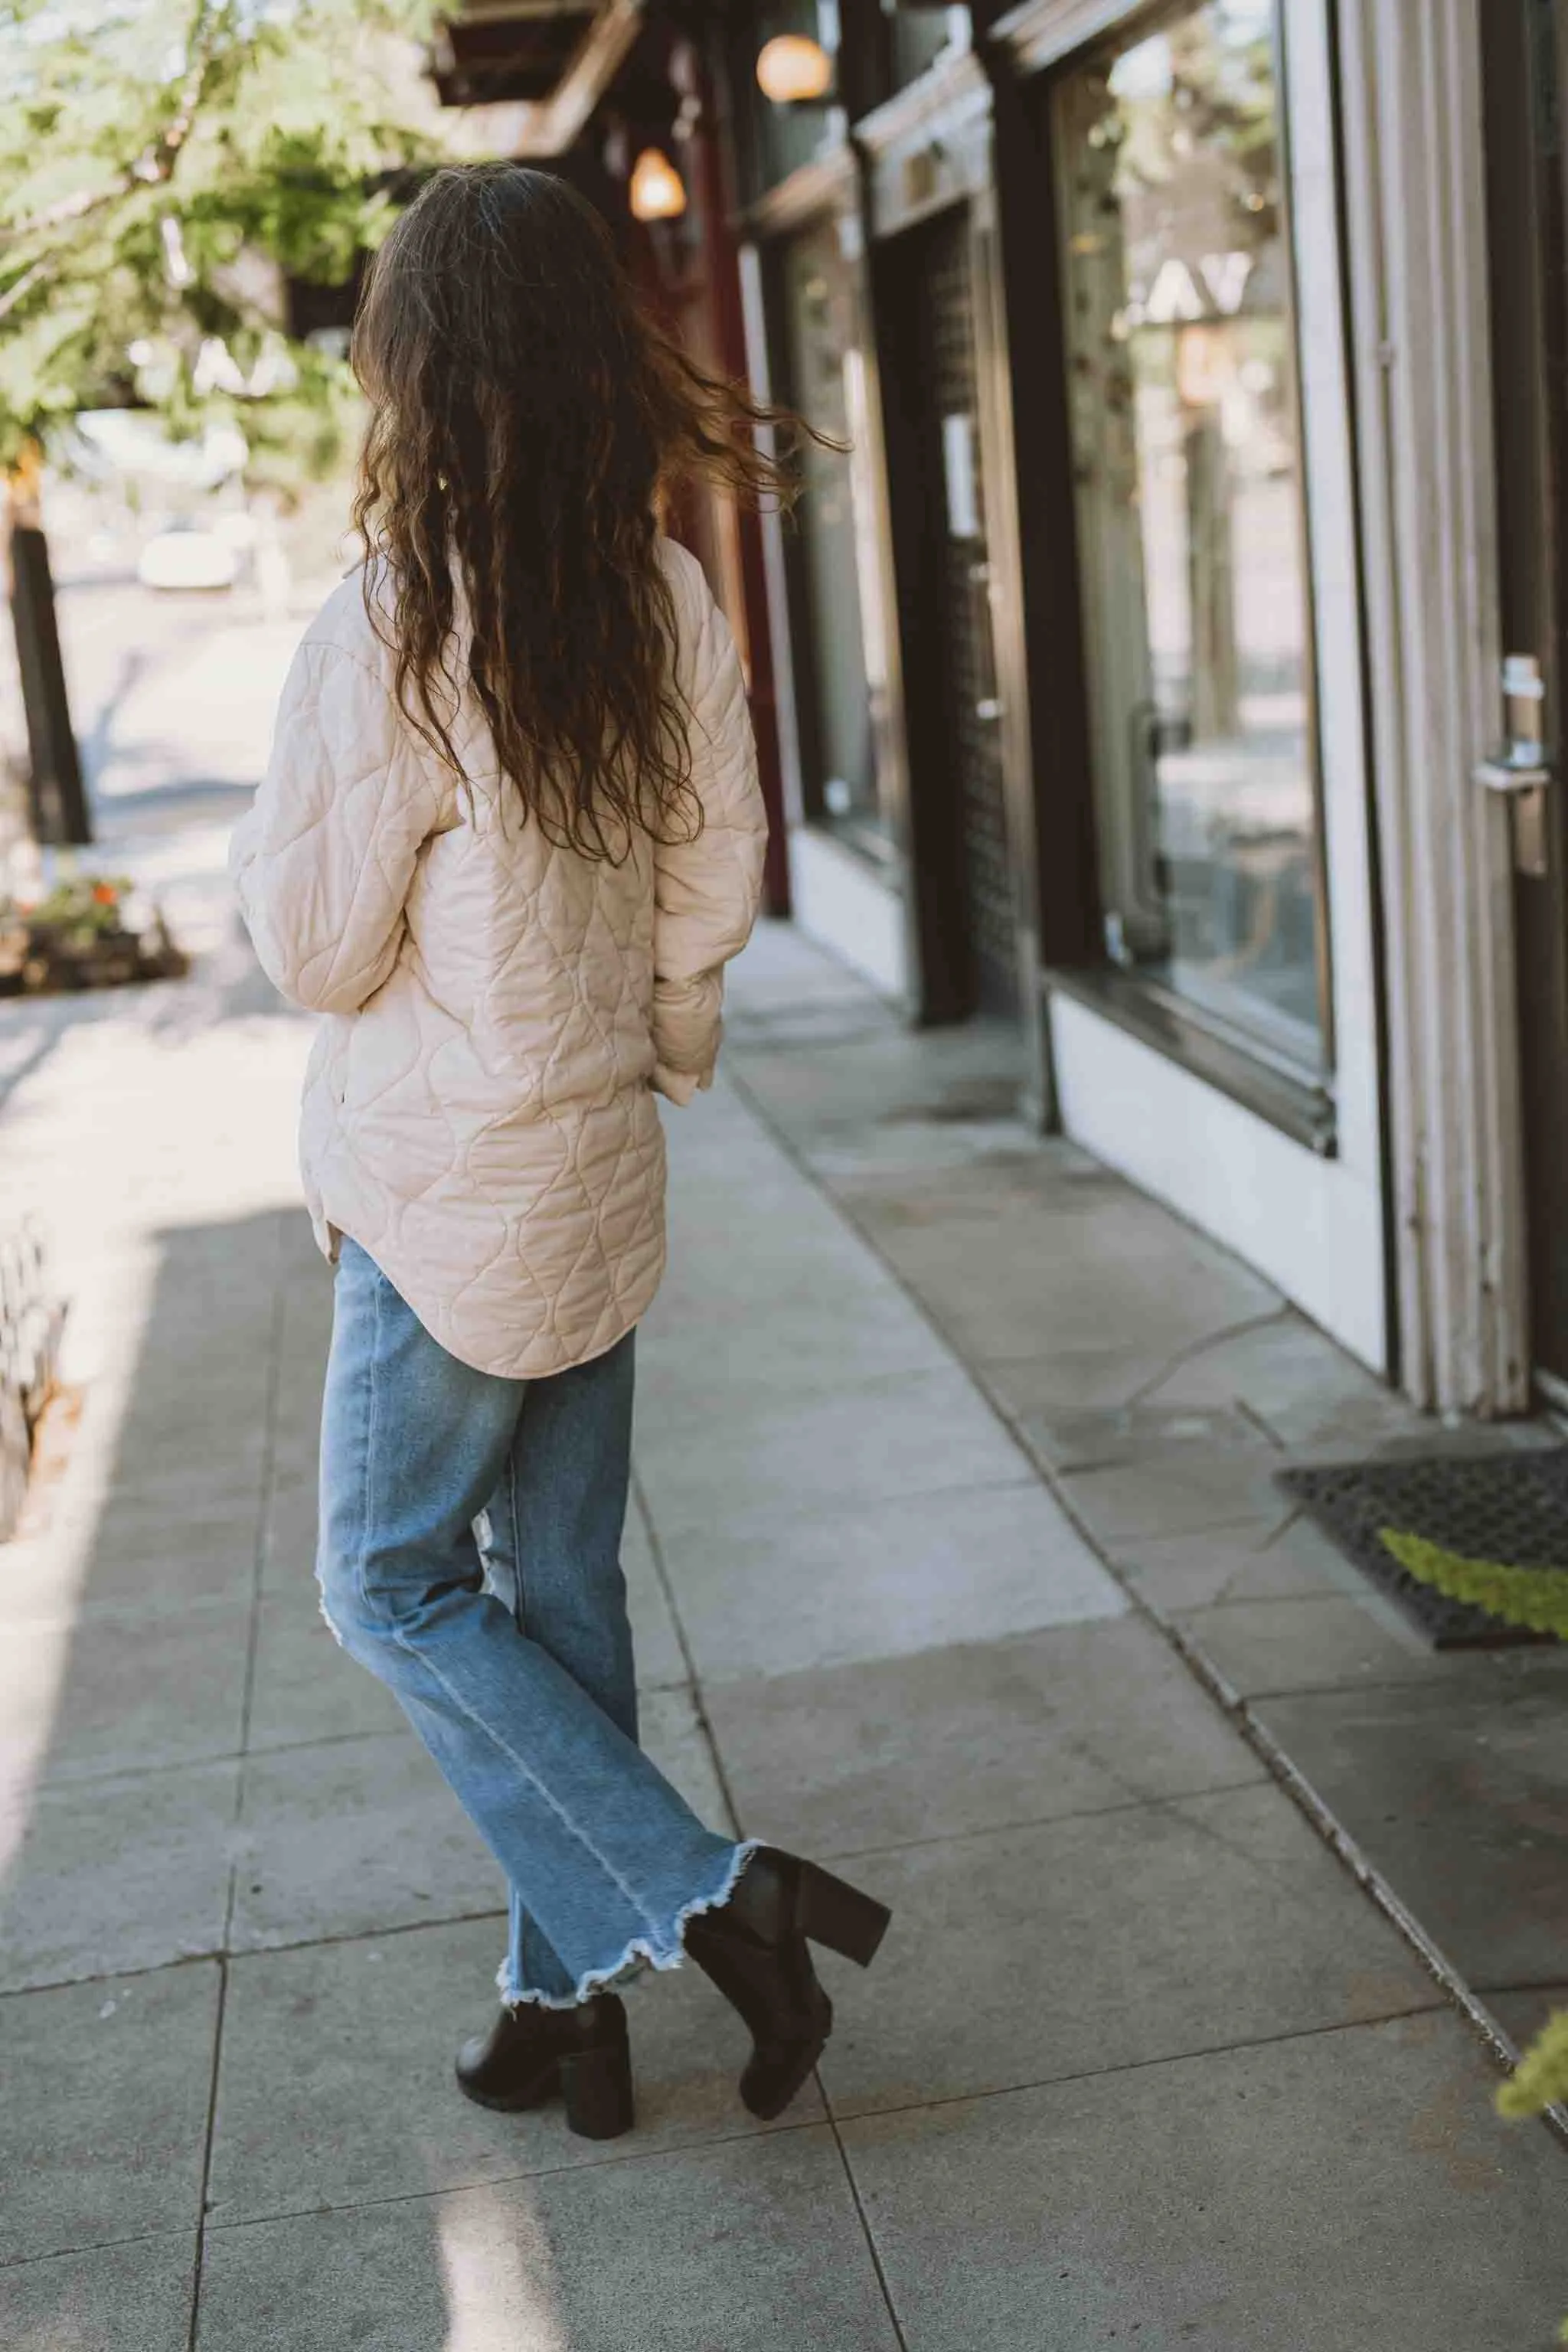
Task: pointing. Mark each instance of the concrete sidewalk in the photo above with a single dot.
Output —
(1160, 1387)
(1138, 2060)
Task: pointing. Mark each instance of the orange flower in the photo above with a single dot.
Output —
(104, 894)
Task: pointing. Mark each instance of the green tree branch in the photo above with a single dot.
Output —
(163, 168)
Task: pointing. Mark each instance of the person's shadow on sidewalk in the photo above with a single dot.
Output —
(156, 1674)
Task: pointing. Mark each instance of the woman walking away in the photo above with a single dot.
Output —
(509, 837)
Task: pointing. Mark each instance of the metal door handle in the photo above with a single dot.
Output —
(1519, 770)
(1507, 774)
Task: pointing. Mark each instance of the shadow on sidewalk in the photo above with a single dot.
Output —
(225, 985)
(130, 1618)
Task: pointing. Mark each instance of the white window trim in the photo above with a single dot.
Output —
(1040, 32)
(1307, 1224)
(839, 899)
(1315, 1225)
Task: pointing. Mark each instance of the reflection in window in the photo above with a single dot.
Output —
(1191, 521)
(783, 139)
(834, 567)
(917, 38)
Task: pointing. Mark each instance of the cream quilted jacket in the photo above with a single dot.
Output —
(480, 1109)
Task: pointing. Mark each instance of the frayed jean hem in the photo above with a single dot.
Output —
(654, 1951)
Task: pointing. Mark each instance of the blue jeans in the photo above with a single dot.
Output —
(512, 1661)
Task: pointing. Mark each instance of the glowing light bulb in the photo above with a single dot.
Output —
(793, 70)
(657, 190)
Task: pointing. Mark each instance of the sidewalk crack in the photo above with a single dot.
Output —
(1195, 1349)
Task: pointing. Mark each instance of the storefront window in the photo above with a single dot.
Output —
(1191, 522)
(784, 137)
(918, 36)
(833, 539)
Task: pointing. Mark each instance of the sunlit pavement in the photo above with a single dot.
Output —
(1138, 2061)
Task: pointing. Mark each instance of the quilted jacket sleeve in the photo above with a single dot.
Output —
(324, 857)
(707, 891)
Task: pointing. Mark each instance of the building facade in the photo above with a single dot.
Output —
(1189, 383)
(1190, 378)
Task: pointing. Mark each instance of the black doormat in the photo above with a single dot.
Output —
(1507, 1509)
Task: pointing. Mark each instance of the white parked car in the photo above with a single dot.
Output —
(187, 556)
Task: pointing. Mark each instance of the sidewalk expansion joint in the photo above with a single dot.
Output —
(1131, 1805)
(209, 2138)
(1454, 1985)
(872, 2248)
(433, 2193)
(693, 1684)
(267, 1486)
(106, 1776)
(847, 2114)
(185, 2230)
(222, 1953)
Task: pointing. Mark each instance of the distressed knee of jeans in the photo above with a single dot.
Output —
(328, 1620)
(352, 1625)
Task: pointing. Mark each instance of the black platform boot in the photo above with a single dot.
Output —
(531, 2052)
(755, 1949)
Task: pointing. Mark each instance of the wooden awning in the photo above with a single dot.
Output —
(557, 57)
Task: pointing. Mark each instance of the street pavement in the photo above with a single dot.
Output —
(928, 1408)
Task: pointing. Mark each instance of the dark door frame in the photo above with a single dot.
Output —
(928, 150)
(1526, 56)
(942, 960)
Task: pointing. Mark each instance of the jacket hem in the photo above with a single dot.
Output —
(509, 1369)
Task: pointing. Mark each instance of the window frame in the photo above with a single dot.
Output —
(1292, 1091)
(827, 198)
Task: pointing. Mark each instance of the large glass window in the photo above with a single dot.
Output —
(918, 36)
(1191, 532)
(838, 685)
(783, 138)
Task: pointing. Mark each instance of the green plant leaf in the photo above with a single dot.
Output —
(1541, 2079)
(255, 142)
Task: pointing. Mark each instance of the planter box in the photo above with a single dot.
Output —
(48, 959)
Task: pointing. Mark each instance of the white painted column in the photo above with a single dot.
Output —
(1419, 263)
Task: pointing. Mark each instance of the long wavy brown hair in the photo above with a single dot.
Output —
(526, 417)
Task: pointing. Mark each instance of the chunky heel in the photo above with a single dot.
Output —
(756, 1947)
(836, 1914)
(597, 2088)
